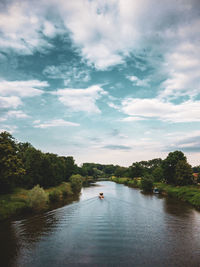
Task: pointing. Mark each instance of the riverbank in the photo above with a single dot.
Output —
(189, 193)
(135, 183)
(18, 202)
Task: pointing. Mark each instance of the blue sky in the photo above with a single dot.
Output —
(110, 81)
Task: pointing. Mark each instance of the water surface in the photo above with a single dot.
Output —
(126, 228)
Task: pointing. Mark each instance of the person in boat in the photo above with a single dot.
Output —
(101, 195)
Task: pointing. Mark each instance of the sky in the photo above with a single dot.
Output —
(107, 81)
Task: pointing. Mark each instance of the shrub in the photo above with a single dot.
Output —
(133, 183)
(66, 189)
(76, 183)
(147, 183)
(37, 198)
(55, 195)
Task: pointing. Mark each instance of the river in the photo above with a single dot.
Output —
(127, 228)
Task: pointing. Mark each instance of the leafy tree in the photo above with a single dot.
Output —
(158, 174)
(136, 170)
(120, 171)
(70, 167)
(183, 173)
(169, 166)
(11, 167)
(147, 183)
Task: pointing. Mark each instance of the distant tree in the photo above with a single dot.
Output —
(196, 169)
(137, 170)
(120, 171)
(11, 167)
(147, 183)
(169, 166)
(183, 173)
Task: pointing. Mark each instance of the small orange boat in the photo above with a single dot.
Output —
(101, 196)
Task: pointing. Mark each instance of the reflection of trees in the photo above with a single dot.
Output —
(33, 228)
(17, 237)
(9, 245)
(176, 207)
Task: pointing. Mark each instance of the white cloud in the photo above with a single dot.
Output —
(188, 111)
(20, 25)
(69, 72)
(54, 123)
(137, 81)
(107, 31)
(17, 114)
(22, 88)
(49, 29)
(183, 68)
(10, 102)
(81, 99)
(129, 119)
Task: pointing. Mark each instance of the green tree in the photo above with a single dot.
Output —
(11, 167)
(120, 171)
(157, 174)
(183, 173)
(169, 166)
(70, 167)
(137, 170)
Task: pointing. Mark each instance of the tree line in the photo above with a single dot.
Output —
(22, 165)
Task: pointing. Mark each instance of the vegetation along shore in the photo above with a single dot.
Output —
(31, 181)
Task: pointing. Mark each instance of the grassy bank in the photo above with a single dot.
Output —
(19, 201)
(189, 193)
(135, 183)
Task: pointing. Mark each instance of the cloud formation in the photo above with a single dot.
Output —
(157, 109)
(81, 99)
(28, 88)
(55, 123)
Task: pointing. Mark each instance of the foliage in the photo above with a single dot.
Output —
(121, 180)
(120, 171)
(11, 168)
(169, 166)
(76, 183)
(183, 173)
(60, 192)
(189, 193)
(37, 198)
(158, 174)
(134, 183)
(147, 183)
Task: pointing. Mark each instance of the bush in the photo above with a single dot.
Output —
(76, 183)
(37, 198)
(62, 191)
(133, 183)
(55, 195)
(147, 183)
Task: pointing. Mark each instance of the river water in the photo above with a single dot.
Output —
(127, 228)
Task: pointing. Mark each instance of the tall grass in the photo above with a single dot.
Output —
(190, 194)
(22, 200)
